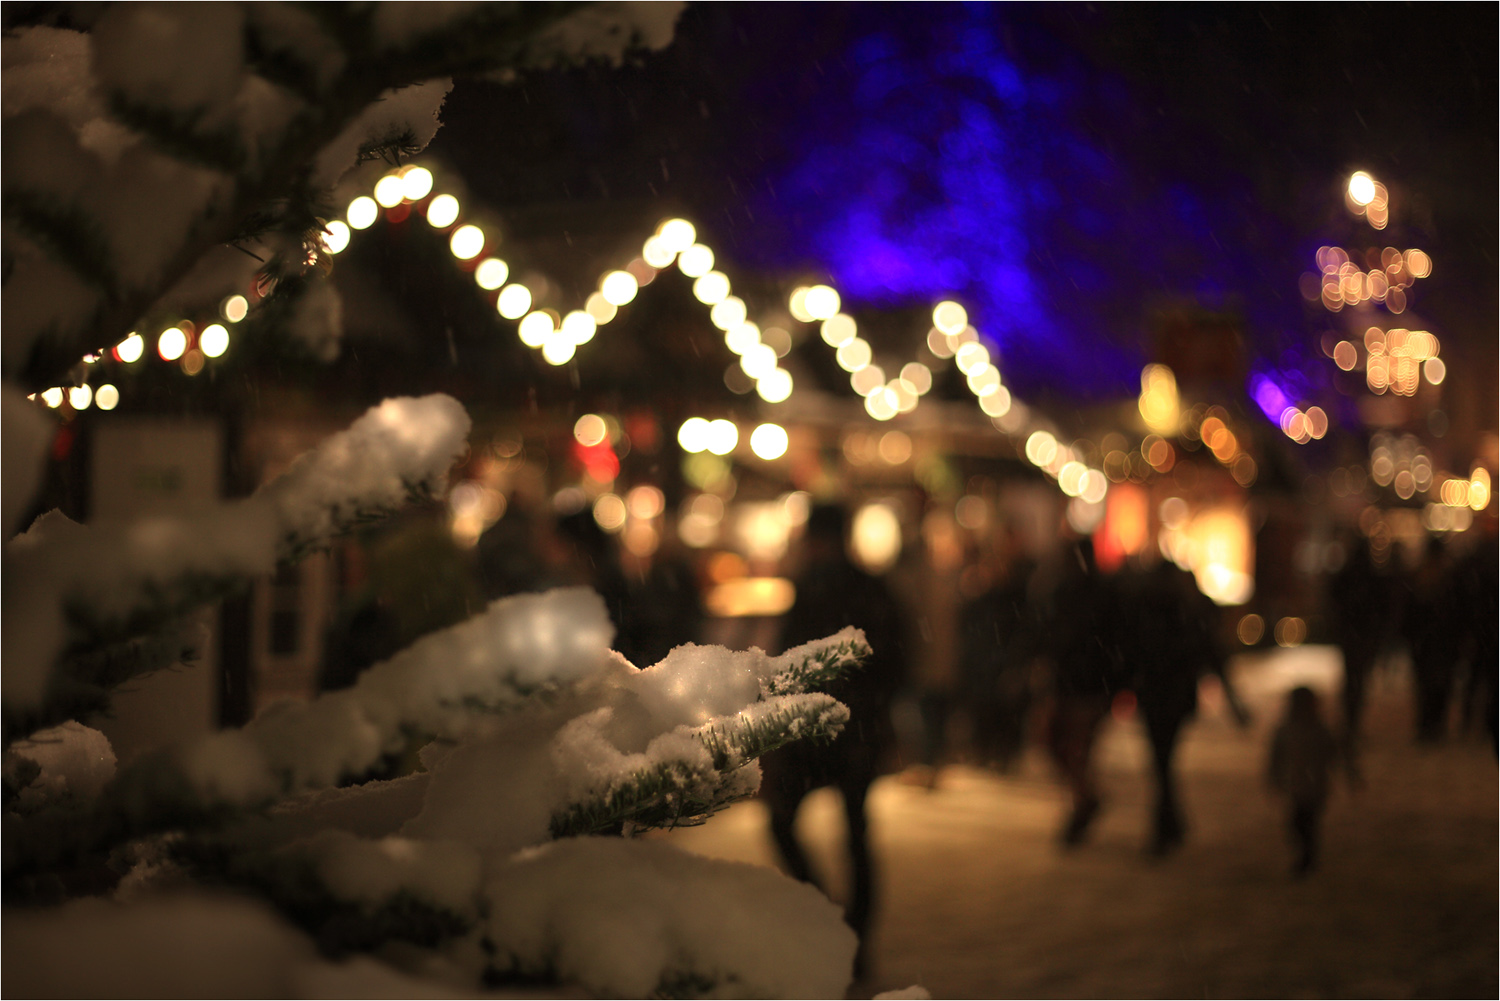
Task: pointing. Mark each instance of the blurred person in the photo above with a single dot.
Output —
(833, 593)
(1169, 644)
(406, 579)
(1083, 646)
(1478, 593)
(1359, 604)
(1303, 753)
(1432, 624)
(998, 639)
(520, 553)
(665, 602)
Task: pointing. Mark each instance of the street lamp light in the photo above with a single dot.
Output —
(1361, 188)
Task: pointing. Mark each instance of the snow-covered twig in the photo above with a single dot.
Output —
(272, 103)
(84, 605)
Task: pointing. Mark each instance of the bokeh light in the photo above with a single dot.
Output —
(821, 302)
(590, 430)
(619, 287)
(491, 273)
(171, 343)
(131, 348)
(513, 301)
(769, 441)
(362, 212)
(466, 242)
(214, 340)
(442, 211)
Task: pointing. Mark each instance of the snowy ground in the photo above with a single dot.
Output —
(978, 901)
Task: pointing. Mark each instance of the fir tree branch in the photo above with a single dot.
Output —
(676, 793)
(495, 37)
(819, 669)
(182, 136)
(68, 233)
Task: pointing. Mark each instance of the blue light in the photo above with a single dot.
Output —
(942, 167)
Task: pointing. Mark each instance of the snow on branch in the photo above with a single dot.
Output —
(521, 647)
(686, 776)
(398, 451)
(816, 665)
(171, 129)
(642, 919)
(84, 604)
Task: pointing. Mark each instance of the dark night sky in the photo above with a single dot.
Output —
(1117, 156)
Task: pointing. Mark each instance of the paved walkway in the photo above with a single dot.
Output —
(978, 901)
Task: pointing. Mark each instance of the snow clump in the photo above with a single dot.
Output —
(631, 918)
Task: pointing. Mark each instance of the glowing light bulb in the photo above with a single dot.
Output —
(693, 435)
(619, 287)
(742, 338)
(656, 253)
(758, 361)
(600, 308)
(558, 348)
(769, 441)
(696, 261)
(79, 397)
(711, 288)
(335, 236)
(821, 302)
(235, 308)
(609, 512)
(797, 304)
(466, 242)
(917, 376)
(388, 191)
(854, 355)
(775, 387)
(723, 436)
(442, 212)
(984, 381)
(1361, 188)
(362, 212)
(416, 183)
(171, 344)
(214, 340)
(972, 357)
(1093, 486)
(839, 329)
(107, 397)
(949, 317)
(1041, 448)
(590, 429)
(904, 399)
(880, 406)
(535, 329)
(729, 313)
(513, 301)
(677, 235)
(579, 327)
(53, 397)
(867, 380)
(996, 404)
(491, 273)
(131, 348)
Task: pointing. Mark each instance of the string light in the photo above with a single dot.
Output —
(676, 241)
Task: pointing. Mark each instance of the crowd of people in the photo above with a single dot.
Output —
(1048, 651)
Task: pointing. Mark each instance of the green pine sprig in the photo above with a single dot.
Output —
(819, 669)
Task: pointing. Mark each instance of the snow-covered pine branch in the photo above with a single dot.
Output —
(171, 129)
(686, 776)
(85, 604)
(425, 858)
